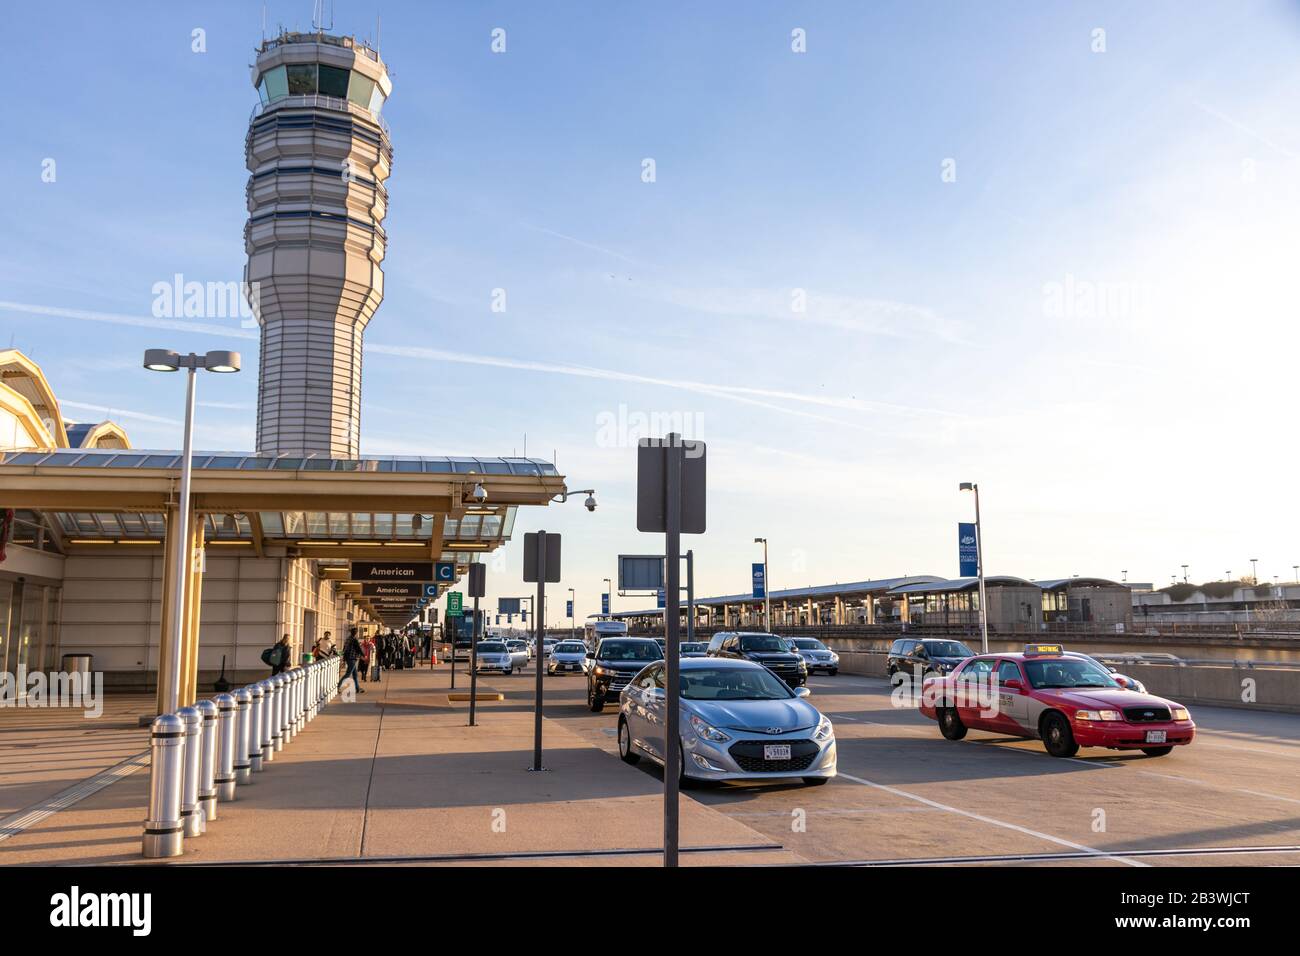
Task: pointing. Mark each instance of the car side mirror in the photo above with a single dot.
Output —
(802, 692)
(1012, 684)
(590, 656)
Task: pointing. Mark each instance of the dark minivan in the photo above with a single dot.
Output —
(770, 650)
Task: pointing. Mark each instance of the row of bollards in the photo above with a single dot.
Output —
(200, 753)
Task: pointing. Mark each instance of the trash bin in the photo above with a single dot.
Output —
(81, 664)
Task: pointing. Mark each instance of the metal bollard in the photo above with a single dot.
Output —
(243, 734)
(223, 776)
(255, 727)
(293, 704)
(163, 830)
(191, 812)
(286, 727)
(268, 721)
(277, 712)
(208, 765)
(313, 682)
(302, 699)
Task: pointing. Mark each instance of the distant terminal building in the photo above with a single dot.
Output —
(1219, 602)
(1014, 604)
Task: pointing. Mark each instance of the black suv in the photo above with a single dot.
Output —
(616, 661)
(769, 650)
(925, 655)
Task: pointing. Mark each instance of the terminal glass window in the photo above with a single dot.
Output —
(333, 81)
(275, 84)
(302, 79)
(360, 89)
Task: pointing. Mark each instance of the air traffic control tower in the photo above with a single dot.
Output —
(318, 154)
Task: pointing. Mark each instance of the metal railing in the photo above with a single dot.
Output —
(200, 754)
(320, 101)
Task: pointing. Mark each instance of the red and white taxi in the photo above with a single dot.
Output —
(1067, 701)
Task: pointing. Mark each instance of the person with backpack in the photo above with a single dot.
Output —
(352, 657)
(277, 656)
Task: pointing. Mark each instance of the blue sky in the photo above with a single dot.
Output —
(1095, 320)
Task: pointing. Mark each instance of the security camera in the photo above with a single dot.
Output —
(479, 494)
(590, 502)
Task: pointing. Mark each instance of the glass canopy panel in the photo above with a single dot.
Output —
(469, 527)
(361, 525)
(491, 527)
(317, 524)
(510, 522)
(449, 527)
(383, 525)
(272, 524)
(294, 523)
(338, 521)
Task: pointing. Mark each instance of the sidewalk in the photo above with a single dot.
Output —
(398, 776)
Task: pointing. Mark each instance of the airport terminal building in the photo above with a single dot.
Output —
(90, 542)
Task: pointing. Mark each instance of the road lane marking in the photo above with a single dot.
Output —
(993, 822)
(1216, 786)
(24, 819)
(1049, 857)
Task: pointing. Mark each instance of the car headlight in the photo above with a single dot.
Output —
(706, 732)
(1180, 713)
(835, 657)
(824, 729)
(599, 671)
(1098, 715)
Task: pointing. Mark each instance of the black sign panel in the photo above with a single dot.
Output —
(477, 580)
(508, 605)
(415, 571)
(383, 590)
(652, 483)
(531, 544)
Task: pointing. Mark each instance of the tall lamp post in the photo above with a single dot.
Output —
(1254, 577)
(979, 560)
(767, 589)
(165, 360)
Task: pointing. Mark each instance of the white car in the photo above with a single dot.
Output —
(519, 653)
(494, 657)
(567, 657)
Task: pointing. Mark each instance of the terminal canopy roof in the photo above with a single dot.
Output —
(377, 508)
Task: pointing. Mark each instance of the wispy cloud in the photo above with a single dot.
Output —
(118, 412)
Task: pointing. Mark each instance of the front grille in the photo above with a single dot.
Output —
(1140, 715)
(748, 755)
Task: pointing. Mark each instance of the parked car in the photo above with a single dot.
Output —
(770, 650)
(925, 656)
(494, 656)
(693, 649)
(567, 656)
(816, 655)
(616, 661)
(1128, 683)
(739, 721)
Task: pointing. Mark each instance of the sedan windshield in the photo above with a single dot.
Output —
(630, 651)
(733, 683)
(1067, 672)
(570, 649)
(762, 642)
(693, 648)
(486, 647)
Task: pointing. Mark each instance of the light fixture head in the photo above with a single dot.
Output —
(161, 360)
(221, 361)
(966, 486)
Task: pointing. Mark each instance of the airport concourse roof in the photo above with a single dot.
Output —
(963, 584)
(876, 586)
(1056, 584)
(249, 461)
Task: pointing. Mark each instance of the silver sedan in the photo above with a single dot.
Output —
(567, 657)
(739, 721)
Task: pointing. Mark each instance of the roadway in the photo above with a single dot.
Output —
(905, 794)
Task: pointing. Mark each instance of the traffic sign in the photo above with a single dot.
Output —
(444, 572)
(455, 607)
(392, 571)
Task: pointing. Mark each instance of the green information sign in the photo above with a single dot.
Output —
(454, 604)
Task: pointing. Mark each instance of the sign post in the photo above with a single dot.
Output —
(541, 564)
(670, 490)
(477, 574)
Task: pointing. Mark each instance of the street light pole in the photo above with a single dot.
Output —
(767, 589)
(1254, 577)
(979, 560)
(165, 360)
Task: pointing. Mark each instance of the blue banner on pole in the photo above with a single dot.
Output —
(967, 550)
(759, 577)
(604, 603)
(568, 609)
(662, 601)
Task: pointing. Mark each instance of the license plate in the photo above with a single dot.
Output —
(1155, 736)
(776, 751)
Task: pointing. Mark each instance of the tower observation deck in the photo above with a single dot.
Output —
(318, 153)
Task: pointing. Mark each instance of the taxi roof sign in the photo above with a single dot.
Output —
(1044, 650)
